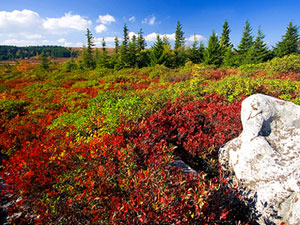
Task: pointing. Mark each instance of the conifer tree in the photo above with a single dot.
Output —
(157, 52)
(88, 58)
(245, 45)
(224, 40)
(124, 47)
(132, 51)
(289, 43)
(212, 54)
(259, 52)
(194, 52)
(179, 38)
(141, 43)
(103, 46)
(117, 46)
(229, 59)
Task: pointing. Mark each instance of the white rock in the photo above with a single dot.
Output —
(265, 160)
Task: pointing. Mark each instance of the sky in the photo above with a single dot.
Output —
(64, 22)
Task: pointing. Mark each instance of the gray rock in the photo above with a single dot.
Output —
(264, 160)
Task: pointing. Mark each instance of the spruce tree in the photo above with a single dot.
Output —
(117, 46)
(141, 43)
(179, 38)
(124, 47)
(259, 52)
(132, 51)
(212, 54)
(103, 46)
(157, 52)
(245, 45)
(289, 43)
(224, 40)
(88, 58)
(194, 53)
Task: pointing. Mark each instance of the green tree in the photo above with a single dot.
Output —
(212, 54)
(229, 59)
(225, 40)
(157, 55)
(195, 54)
(245, 45)
(88, 58)
(132, 51)
(141, 43)
(117, 46)
(259, 52)
(44, 61)
(102, 59)
(179, 38)
(289, 43)
(124, 47)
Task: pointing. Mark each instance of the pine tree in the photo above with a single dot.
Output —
(132, 51)
(117, 46)
(157, 52)
(224, 40)
(194, 53)
(229, 59)
(124, 47)
(103, 46)
(259, 52)
(245, 45)
(179, 38)
(141, 43)
(44, 61)
(212, 54)
(289, 43)
(88, 58)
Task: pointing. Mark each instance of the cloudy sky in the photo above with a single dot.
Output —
(64, 22)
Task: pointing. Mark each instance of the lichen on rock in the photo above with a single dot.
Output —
(264, 160)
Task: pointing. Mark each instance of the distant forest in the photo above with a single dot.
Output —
(12, 52)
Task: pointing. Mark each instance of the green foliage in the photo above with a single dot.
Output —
(212, 54)
(288, 63)
(259, 52)
(225, 40)
(289, 43)
(179, 38)
(157, 71)
(245, 45)
(157, 53)
(11, 108)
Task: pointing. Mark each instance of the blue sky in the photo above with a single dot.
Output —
(64, 22)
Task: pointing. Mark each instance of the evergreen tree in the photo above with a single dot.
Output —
(229, 59)
(157, 55)
(224, 40)
(245, 45)
(44, 61)
(179, 38)
(166, 41)
(132, 51)
(289, 43)
(212, 54)
(259, 52)
(88, 58)
(141, 43)
(124, 47)
(194, 53)
(103, 46)
(117, 46)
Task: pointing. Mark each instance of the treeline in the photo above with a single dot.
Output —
(132, 52)
(13, 52)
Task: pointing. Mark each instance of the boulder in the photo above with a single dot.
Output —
(264, 161)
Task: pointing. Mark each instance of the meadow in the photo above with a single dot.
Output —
(97, 146)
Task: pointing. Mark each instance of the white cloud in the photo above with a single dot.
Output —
(61, 40)
(152, 37)
(197, 36)
(100, 28)
(106, 19)
(130, 34)
(131, 19)
(20, 22)
(68, 21)
(19, 42)
(149, 20)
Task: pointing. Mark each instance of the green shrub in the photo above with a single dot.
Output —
(289, 63)
(11, 108)
(157, 71)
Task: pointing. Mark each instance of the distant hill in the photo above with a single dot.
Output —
(13, 52)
